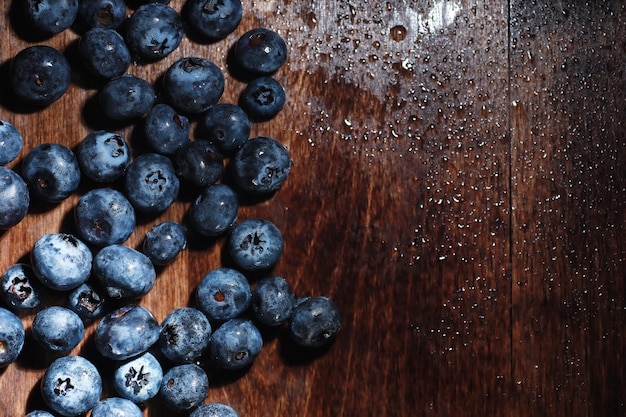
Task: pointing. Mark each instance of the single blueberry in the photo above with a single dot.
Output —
(126, 332)
(164, 242)
(49, 17)
(11, 142)
(213, 19)
(39, 75)
(51, 172)
(116, 407)
(138, 379)
(107, 14)
(235, 344)
(227, 127)
(260, 51)
(39, 413)
(58, 329)
(273, 301)
(185, 334)
(184, 387)
(255, 244)
(165, 129)
(104, 216)
(199, 163)
(223, 294)
(103, 156)
(71, 386)
(21, 289)
(14, 198)
(214, 410)
(151, 183)
(315, 322)
(11, 337)
(192, 85)
(261, 166)
(126, 97)
(214, 211)
(154, 31)
(262, 98)
(87, 301)
(123, 271)
(61, 261)
(104, 53)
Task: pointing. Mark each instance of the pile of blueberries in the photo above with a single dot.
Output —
(101, 278)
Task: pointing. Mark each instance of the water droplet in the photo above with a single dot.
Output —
(398, 33)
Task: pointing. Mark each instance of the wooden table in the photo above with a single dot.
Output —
(458, 189)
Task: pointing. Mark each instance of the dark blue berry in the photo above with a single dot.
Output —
(214, 410)
(11, 142)
(185, 334)
(87, 301)
(164, 242)
(315, 322)
(39, 75)
(223, 294)
(116, 407)
(103, 156)
(49, 17)
(192, 84)
(154, 31)
(15, 198)
(126, 332)
(21, 289)
(227, 127)
(213, 19)
(235, 344)
(262, 98)
(151, 184)
(61, 261)
(260, 50)
(51, 172)
(58, 329)
(126, 97)
(107, 14)
(261, 166)
(199, 163)
(104, 53)
(71, 386)
(184, 387)
(104, 216)
(39, 413)
(214, 211)
(138, 379)
(165, 129)
(255, 244)
(123, 271)
(273, 301)
(11, 337)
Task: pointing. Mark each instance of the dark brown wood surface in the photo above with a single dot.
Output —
(458, 189)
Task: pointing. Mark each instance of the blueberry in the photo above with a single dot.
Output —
(223, 294)
(51, 172)
(273, 301)
(39, 75)
(214, 410)
(213, 19)
(107, 14)
(49, 17)
(21, 289)
(103, 156)
(104, 216)
(71, 386)
(184, 387)
(214, 211)
(262, 98)
(11, 142)
(199, 163)
(235, 344)
(261, 166)
(126, 332)
(164, 242)
(151, 183)
(11, 337)
(123, 271)
(116, 407)
(61, 261)
(104, 53)
(126, 97)
(315, 322)
(58, 329)
(227, 127)
(87, 301)
(192, 84)
(15, 198)
(39, 413)
(260, 51)
(165, 129)
(154, 31)
(138, 379)
(185, 334)
(255, 244)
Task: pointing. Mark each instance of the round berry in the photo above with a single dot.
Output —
(11, 142)
(261, 166)
(87, 301)
(11, 337)
(223, 294)
(51, 172)
(185, 334)
(166, 131)
(49, 17)
(273, 301)
(212, 19)
(315, 322)
(261, 51)
(116, 407)
(123, 271)
(235, 344)
(255, 244)
(107, 14)
(214, 410)
(263, 98)
(214, 211)
(154, 31)
(164, 242)
(103, 156)
(199, 163)
(227, 127)
(184, 387)
(21, 289)
(15, 198)
(192, 84)
(138, 379)
(61, 261)
(104, 53)
(58, 329)
(126, 97)
(151, 183)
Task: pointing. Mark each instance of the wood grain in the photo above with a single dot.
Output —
(457, 189)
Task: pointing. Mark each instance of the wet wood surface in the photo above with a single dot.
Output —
(458, 189)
